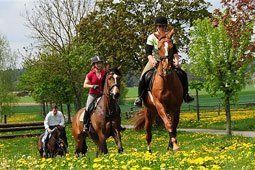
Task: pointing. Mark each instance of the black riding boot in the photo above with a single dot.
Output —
(86, 120)
(141, 88)
(184, 80)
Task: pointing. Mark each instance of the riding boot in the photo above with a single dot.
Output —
(44, 150)
(141, 88)
(86, 120)
(184, 80)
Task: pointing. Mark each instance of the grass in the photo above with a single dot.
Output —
(198, 151)
(241, 120)
(26, 99)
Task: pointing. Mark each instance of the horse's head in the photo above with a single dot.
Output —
(56, 132)
(164, 45)
(112, 82)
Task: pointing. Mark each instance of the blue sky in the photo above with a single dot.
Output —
(12, 24)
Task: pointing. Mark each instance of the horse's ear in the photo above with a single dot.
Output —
(170, 33)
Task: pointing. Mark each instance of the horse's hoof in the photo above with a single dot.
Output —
(150, 151)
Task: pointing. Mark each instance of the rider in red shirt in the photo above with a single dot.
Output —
(93, 81)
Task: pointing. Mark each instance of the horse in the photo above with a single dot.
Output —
(54, 145)
(105, 118)
(164, 98)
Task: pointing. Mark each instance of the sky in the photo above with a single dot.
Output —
(12, 23)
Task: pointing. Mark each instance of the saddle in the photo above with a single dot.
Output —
(91, 107)
(147, 80)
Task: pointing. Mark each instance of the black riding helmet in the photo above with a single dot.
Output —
(161, 21)
(96, 59)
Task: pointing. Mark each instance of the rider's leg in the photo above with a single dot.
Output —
(185, 84)
(86, 118)
(44, 142)
(141, 87)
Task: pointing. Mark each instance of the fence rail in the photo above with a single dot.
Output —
(20, 127)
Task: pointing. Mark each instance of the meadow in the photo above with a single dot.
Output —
(198, 151)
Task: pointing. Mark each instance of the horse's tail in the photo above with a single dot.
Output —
(139, 120)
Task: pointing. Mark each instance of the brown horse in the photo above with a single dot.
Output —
(54, 145)
(165, 97)
(105, 118)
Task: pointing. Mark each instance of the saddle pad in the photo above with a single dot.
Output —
(95, 105)
(82, 115)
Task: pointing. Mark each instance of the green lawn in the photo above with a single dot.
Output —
(198, 151)
(26, 99)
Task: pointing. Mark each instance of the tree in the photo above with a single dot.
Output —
(119, 30)
(53, 25)
(46, 77)
(7, 65)
(224, 61)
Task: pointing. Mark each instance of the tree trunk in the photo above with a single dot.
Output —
(228, 115)
(197, 106)
(68, 106)
(43, 109)
(5, 119)
(77, 98)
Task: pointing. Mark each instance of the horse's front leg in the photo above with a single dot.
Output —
(173, 140)
(102, 143)
(148, 125)
(117, 138)
(168, 121)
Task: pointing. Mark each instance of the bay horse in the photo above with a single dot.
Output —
(54, 145)
(105, 118)
(164, 98)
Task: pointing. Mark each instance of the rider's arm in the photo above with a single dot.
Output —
(87, 83)
(46, 122)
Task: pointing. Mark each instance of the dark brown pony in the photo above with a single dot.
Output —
(105, 118)
(165, 97)
(54, 145)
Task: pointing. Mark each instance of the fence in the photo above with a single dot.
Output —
(14, 127)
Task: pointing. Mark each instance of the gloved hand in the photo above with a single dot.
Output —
(49, 130)
(95, 87)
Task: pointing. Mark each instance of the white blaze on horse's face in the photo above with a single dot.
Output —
(166, 48)
(115, 88)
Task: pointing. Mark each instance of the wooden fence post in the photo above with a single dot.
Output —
(5, 119)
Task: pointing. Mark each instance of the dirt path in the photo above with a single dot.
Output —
(211, 131)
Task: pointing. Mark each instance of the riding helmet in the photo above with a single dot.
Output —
(161, 21)
(96, 59)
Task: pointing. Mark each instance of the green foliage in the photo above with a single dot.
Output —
(214, 58)
(7, 76)
(56, 78)
(118, 31)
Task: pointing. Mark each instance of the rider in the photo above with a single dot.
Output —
(151, 52)
(53, 118)
(93, 81)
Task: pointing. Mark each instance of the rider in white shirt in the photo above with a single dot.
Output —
(53, 119)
